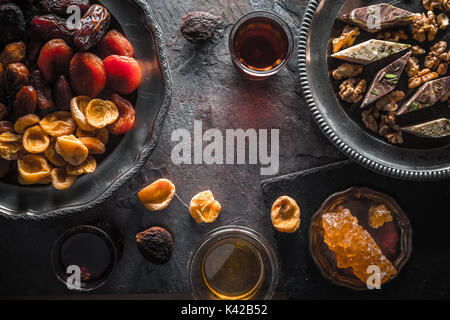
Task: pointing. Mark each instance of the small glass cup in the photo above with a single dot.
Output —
(92, 251)
(260, 44)
(232, 257)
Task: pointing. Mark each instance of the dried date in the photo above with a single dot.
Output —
(17, 76)
(93, 26)
(12, 23)
(60, 7)
(43, 90)
(25, 102)
(51, 27)
(62, 93)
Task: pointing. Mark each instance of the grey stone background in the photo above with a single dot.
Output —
(206, 88)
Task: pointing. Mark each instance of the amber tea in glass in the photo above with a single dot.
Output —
(260, 44)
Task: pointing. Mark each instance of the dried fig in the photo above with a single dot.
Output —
(26, 100)
(199, 26)
(71, 149)
(61, 180)
(158, 195)
(25, 122)
(59, 123)
(33, 168)
(35, 140)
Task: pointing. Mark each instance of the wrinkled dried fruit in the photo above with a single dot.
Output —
(101, 134)
(5, 167)
(127, 115)
(199, 26)
(10, 137)
(3, 112)
(13, 52)
(379, 215)
(11, 150)
(204, 208)
(26, 100)
(71, 149)
(78, 107)
(60, 6)
(6, 126)
(100, 113)
(53, 156)
(123, 74)
(88, 166)
(17, 76)
(35, 140)
(62, 93)
(34, 48)
(51, 27)
(44, 93)
(87, 74)
(33, 168)
(25, 122)
(54, 59)
(155, 244)
(94, 145)
(61, 180)
(59, 123)
(93, 26)
(43, 181)
(114, 43)
(285, 215)
(12, 23)
(158, 195)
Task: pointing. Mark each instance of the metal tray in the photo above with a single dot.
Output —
(152, 104)
(405, 162)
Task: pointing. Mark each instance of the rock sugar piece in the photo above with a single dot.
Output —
(370, 51)
(155, 244)
(353, 246)
(377, 17)
(438, 128)
(427, 95)
(385, 80)
(379, 215)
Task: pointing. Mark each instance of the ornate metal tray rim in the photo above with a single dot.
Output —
(145, 151)
(328, 131)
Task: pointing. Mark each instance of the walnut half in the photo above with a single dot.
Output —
(352, 90)
(347, 70)
(424, 27)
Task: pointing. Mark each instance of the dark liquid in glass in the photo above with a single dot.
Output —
(261, 44)
(90, 252)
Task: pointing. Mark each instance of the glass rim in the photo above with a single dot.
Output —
(205, 242)
(58, 244)
(274, 18)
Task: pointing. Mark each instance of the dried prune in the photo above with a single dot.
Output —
(3, 111)
(60, 6)
(127, 115)
(17, 76)
(51, 27)
(123, 74)
(44, 92)
(155, 244)
(62, 93)
(93, 26)
(199, 26)
(12, 23)
(26, 100)
(87, 74)
(114, 43)
(13, 52)
(5, 167)
(54, 59)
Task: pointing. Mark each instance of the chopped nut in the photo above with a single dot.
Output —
(157, 195)
(442, 21)
(285, 215)
(423, 76)
(352, 90)
(347, 70)
(412, 67)
(424, 27)
(370, 117)
(417, 51)
(389, 101)
(394, 36)
(346, 39)
(432, 60)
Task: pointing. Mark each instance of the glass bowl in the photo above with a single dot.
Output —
(394, 238)
(256, 270)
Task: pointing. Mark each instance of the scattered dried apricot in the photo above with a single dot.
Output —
(59, 123)
(33, 168)
(88, 166)
(100, 113)
(285, 214)
(123, 74)
(157, 195)
(61, 180)
(35, 140)
(71, 149)
(26, 121)
(204, 208)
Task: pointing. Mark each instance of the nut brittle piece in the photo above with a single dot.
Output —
(354, 247)
(379, 215)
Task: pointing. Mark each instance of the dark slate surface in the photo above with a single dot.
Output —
(206, 87)
(426, 204)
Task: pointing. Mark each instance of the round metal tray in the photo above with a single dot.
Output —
(152, 104)
(344, 132)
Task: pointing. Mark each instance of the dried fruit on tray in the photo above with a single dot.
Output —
(54, 59)
(285, 214)
(114, 43)
(12, 23)
(378, 16)
(438, 128)
(127, 115)
(379, 215)
(88, 166)
(71, 149)
(100, 113)
(158, 195)
(33, 168)
(370, 51)
(87, 74)
(59, 123)
(93, 26)
(43, 90)
(61, 180)
(35, 140)
(123, 74)
(78, 108)
(50, 27)
(54, 157)
(13, 52)
(204, 208)
(60, 6)
(353, 246)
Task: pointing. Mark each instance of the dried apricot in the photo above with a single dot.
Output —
(54, 59)
(157, 195)
(54, 157)
(35, 140)
(26, 101)
(10, 137)
(114, 43)
(6, 126)
(61, 180)
(78, 108)
(46, 180)
(100, 113)
(204, 208)
(94, 145)
(26, 121)
(87, 74)
(71, 149)
(10, 150)
(59, 123)
(123, 74)
(33, 168)
(285, 214)
(101, 134)
(127, 115)
(88, 166)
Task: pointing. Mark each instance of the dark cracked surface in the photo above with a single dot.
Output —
(206, 88)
